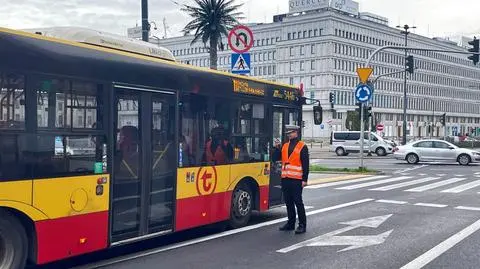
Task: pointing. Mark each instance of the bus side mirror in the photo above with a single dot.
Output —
(317, 115)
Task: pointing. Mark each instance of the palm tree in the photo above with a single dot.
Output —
(212, 19)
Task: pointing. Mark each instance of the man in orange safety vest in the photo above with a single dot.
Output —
(295, 169)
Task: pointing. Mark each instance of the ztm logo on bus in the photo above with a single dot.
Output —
(206, 180)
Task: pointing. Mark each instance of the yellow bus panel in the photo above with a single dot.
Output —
(19, 191)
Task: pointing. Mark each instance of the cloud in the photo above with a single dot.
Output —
(432, 17)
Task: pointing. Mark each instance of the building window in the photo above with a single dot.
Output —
(289, 36)
(291, 81)
(302, 50)
(312, 65)
(292, 51)
(312, 49)
(312, 80)
(292, 66)
(302, 65)
(315, 32)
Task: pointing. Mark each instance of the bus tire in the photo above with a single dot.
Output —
(242, 204)
(13, 242)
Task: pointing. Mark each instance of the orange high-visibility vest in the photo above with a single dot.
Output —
(292, 165)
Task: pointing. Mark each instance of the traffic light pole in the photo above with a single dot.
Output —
(145, 24)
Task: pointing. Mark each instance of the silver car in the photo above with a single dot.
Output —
(435, 150)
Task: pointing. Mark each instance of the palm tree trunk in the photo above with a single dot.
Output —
(213, 53)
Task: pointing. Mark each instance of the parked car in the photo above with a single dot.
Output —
(347, 142)
(435, 150)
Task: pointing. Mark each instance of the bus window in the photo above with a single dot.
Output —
(12, 101)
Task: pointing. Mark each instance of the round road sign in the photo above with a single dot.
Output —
(379, 127)
(240, 39)
(363, 93)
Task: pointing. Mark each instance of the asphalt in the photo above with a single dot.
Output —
(416, 225)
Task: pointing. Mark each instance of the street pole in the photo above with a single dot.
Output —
(406, 27)
(433, 118)
(145, 24)
(362, 127)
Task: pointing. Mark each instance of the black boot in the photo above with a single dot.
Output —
(301, 229)
(287, 227)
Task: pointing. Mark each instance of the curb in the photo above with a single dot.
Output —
(378, 173)
(336, 178)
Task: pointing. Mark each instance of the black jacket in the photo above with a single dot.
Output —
(304, 157)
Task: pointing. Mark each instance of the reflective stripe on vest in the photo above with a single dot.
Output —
(292, 165)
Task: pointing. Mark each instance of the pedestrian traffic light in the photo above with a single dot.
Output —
(409, 64)
(443, 119)
(476, 49)
(332, 98)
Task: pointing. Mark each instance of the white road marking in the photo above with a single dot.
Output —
(368, 184)
(391, 202)
(441, 175)
(306, 207)
(468, 208)
(216, 236)
(441, 248)
(435, 185)
(404, 184)
(357, 241)
(422, 174)
(463, 187)
(336, 183)
(459, 175)
(411, 169)
(430, 205)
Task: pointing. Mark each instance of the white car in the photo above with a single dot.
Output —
(345, 142)
(435, 150)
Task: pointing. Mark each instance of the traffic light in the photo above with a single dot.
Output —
(443, 119)
(332, 98)
(368, 113)
(409, 64)
(475, 48)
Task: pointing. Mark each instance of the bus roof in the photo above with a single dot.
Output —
(103, 39)
(74, 40)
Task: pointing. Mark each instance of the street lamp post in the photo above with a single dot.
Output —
(145, 24)
(406, 27)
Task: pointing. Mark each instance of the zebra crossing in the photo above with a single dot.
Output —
(409, 183)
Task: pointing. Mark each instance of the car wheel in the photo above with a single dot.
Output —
(13, 242)
(340, 152)
(242, 203)
(412, 158)
(381, 152)
(464, 159)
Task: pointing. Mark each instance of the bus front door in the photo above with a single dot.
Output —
(275, 176)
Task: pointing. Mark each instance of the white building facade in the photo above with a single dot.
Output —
(322, 49)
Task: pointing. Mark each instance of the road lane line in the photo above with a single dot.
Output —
(430, 205)
(368, 184)
(404, 184)
(219, 235)
(435, 185)
(468, 208)
(411, 169)
(463, 187)
(325, 185)
(391, 202)
(441, 248)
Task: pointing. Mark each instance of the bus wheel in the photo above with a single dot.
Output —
(242, 202)
(13, 242)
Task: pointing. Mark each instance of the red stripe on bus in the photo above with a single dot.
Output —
(202, 210)
(264, 198)
(71, 236)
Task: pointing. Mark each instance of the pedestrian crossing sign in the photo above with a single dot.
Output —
(240, 63)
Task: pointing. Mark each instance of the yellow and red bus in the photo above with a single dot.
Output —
(102, 144)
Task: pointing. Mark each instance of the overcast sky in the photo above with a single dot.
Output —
(432, 17)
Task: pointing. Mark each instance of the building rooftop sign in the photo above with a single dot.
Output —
(305, 5)
(347, 6)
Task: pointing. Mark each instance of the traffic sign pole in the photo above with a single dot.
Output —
(362, 127)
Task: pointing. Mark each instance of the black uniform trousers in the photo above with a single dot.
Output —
(292, 193)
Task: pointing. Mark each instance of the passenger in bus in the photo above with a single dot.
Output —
(218, 150)
(127, 155)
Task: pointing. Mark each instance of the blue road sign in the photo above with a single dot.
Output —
(322, 126)
(240, 63)
(363, 93)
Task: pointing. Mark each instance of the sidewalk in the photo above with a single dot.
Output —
(319, 178)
